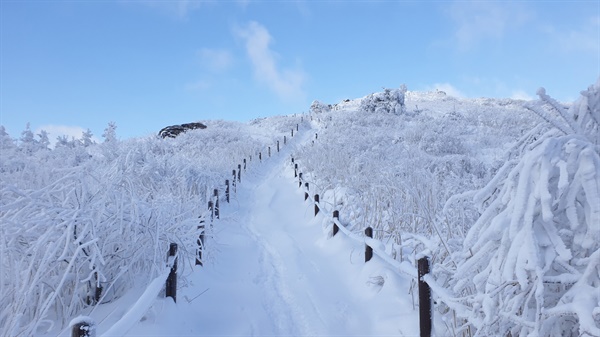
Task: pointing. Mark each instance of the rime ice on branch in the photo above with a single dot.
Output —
(531, 263)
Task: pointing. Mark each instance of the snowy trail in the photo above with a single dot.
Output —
(309, 298)
(273, 272)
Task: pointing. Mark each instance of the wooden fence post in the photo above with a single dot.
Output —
(234, 180)
(171, 286)
(200, 242)
(368, 249)
(424, 298)
(302, 120)
(244, 164)
(277, 146)
(299, 179)
(269, 152)
(295, 170)
(98, 291)
(336, 216)
(227, 190)
(211, 209)
(84, 327)
(284, 140)
(239, 173)
(216, 195)
(306, 191)
(293, 132)
(316, 204)
(316, 136)
(260, 156)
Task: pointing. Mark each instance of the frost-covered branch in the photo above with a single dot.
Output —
(538, 231)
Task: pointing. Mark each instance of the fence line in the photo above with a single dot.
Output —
(84, 326)
(404, 268)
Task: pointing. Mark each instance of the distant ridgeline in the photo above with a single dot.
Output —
(174, 130)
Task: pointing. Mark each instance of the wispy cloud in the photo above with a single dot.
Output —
(177, 8)
(584, 38)
(181, 8)
(216, 60)
(477, 21)
(286, 83)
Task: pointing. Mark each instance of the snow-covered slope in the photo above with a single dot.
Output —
(502, 194)
(84, 216)
(396, 171)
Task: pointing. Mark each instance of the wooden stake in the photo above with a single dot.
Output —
(424, 298)
(368, 249)
(171, 286)
(336, 216)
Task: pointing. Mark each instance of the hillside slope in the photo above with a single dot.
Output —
(432, 174)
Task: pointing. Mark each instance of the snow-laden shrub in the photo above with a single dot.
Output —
(530, 265)
(388, 101)
(79, 218)
(318, 107)
(397, 173)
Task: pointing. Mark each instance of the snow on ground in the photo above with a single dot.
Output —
(271, 268)
(274, 272)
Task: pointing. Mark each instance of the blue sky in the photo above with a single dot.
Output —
(71, 65)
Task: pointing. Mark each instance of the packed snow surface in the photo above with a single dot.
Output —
(274, 271)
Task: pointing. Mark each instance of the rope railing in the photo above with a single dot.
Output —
(84, 326)
(372, 248)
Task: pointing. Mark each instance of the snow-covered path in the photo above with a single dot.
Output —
(274, 272)
(271, 259)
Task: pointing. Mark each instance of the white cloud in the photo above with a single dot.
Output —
(243, 3)
(584, 38)
(216, 60)
(183, 7)
(521, 94)
(55, 131)
(180, 8)
(448, 88)
(287, 83)
(177, 8)
(480, 20)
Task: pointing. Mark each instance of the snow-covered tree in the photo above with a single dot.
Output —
(388, 101)
(27, 140)
(318, 107)
(530, 265)
(6, 142)
(64, 141)
(27, 134)
(110, 133)
(44, 141)
(109, 147)
(86, 138)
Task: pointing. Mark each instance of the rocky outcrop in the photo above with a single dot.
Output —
(174, 130)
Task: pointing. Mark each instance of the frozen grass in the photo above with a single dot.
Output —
(87, 216)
